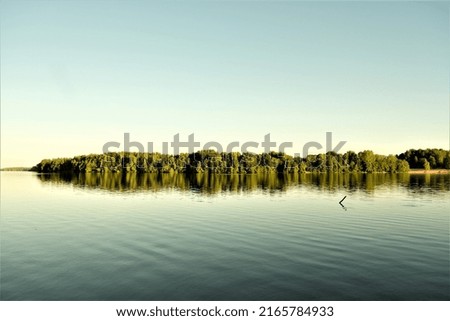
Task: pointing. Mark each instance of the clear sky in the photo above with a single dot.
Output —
(76, 74)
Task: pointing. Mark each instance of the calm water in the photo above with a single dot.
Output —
(251, 237)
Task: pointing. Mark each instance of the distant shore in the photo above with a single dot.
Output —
(16, 169)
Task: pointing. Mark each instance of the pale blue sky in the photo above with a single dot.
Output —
(77, 74)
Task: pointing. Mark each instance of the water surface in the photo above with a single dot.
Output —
(224, 237)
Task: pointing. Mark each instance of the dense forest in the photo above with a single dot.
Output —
(427, 158)
(209, 161)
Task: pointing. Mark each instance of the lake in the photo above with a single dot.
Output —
(224, 237)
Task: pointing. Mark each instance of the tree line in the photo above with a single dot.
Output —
(210, 161)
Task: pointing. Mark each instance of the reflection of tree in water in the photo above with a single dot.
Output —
(271, 182)
(429, 183)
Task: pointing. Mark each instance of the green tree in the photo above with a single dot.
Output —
(367, 161)
(425, 164)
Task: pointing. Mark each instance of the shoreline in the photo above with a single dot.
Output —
(430, 171)
(411, 171)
